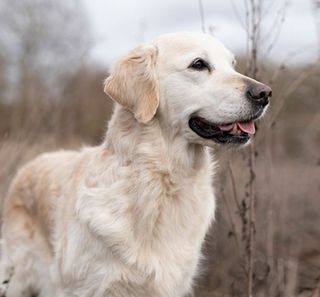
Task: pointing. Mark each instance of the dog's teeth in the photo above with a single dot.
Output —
(235, 130)
(227, 127)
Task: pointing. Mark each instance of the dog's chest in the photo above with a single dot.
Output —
(153, 223)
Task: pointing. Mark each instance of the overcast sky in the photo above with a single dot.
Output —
(119, 25)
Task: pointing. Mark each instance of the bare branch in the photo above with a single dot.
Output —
(231, 220)
(234, 187)
(203, 23)
(286, 92)
(316, 13)
(288, 58)
(278, 24)
(251, 243)
(237, 14)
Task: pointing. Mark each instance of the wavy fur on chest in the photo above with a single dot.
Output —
(151, 211)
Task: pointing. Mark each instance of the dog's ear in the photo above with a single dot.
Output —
(133, 83)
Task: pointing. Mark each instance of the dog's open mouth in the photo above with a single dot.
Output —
(237, 132)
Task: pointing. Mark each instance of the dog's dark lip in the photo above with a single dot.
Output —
(209, 130)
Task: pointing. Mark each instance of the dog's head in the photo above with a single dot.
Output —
(188, 80)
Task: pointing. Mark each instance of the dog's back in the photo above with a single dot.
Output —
(28, 218)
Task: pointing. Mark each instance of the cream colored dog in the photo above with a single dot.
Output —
(128, 218)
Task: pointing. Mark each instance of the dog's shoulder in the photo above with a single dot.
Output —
(44, 176)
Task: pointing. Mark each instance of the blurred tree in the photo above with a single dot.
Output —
(43, 42)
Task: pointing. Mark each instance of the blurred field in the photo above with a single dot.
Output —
(34, 118)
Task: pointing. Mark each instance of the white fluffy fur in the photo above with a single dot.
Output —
(127, 218)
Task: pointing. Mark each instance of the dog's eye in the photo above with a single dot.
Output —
(199, 64)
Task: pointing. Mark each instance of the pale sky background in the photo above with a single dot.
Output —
(119, 25)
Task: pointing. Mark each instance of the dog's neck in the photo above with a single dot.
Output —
(134, 142)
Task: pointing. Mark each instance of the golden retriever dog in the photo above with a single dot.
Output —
(128, 218)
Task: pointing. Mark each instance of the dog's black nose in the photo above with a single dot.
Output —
(259, 93)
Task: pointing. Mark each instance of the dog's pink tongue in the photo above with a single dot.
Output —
(247, 127)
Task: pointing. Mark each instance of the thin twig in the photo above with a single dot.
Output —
(290, 89)
(251, 219)
(236, 12)
(281, 19)
(233, 225)
(203, 23)
(247, 13)
(256, 12)
(316, 13)
(234, 187)
(288, 58)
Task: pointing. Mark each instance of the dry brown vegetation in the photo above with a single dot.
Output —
(67, 108)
